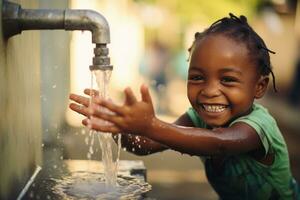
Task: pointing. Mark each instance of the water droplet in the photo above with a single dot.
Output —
(86, 140)
(161, 88)
(153, 82)
(43, 145)
(31, 194)
(88, 155)
(53, 86)
(91, 150)
(138, 138)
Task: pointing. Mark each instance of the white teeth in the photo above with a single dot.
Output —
(214, 108)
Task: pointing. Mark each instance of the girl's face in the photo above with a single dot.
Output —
(222, 80)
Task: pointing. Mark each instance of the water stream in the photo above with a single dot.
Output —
(106, 183)
(110, 158)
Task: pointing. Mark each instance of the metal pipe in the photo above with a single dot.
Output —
(15, 20)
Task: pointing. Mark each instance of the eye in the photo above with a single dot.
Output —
(228, 79)
(196, 78)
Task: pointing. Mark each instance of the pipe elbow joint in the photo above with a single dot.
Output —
(88, 20)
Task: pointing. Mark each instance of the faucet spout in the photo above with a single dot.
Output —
(15, 20)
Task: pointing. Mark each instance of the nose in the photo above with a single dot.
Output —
(211, 89)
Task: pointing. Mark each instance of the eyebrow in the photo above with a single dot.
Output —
(194, 68)
(223, 70)
(231, 69)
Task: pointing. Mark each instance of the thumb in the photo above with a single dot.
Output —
(146, 97)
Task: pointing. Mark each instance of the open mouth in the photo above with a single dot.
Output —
(214, 108)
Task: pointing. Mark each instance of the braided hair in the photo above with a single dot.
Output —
(239, 30)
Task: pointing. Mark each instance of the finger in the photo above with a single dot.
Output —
(80, 99)
(79, 109)
(103, 115)
(129, 96)
(146, 97)
(91, 92)
(110, 106)
(96, 110)
(97, 99)
(85, 121)
(94, 124)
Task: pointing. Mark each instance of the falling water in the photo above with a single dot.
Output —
(110, 164)
(108, 184)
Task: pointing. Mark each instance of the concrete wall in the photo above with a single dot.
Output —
(55, 76)
(20, 120)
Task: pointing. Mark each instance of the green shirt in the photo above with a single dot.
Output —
(242, 177)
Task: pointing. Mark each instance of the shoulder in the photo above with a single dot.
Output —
(264, 125)
(194, 118)
(258, 115)
(190, 119)
(184, 120)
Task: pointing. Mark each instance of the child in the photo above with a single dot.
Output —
(243, 151)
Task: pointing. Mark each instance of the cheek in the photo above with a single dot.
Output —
(191, 93)
(240, 97)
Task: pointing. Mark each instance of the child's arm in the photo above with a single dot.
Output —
(138, 145)
(138, 118)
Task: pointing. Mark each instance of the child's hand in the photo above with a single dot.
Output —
(133, 117)
(82, 103)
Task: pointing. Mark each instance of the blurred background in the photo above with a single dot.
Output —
(149, 42)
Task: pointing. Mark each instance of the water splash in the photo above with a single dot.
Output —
(90, 185)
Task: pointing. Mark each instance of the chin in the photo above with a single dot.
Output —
(216, 124)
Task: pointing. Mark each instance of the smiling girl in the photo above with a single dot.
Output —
(243, 151)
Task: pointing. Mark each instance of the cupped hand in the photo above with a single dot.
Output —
(133, 116)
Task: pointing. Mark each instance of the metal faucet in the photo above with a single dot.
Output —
(15, 20)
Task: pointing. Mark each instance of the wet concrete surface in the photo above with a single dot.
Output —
(72, 179)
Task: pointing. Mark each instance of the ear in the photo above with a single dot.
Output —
(261, 86)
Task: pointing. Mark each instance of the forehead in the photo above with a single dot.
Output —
(220, 51)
